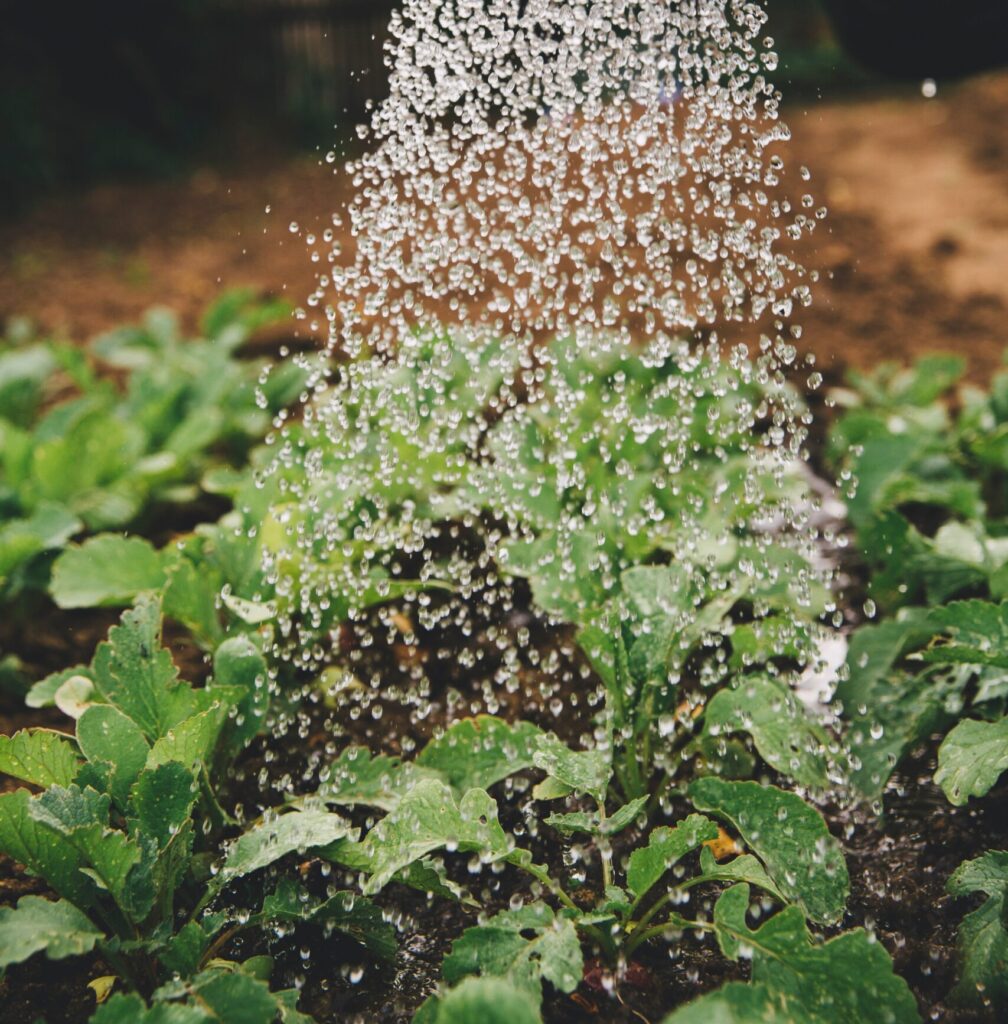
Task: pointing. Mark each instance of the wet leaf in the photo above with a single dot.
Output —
(786, 738)
(591, 822)
(487, 1000)
(106, 734)
(286, 833)
(38, 924)
(39, 756)
(665, 847)
(982, 940)
(474, 753)
(42, 851)
(843, 981)
(427, 819)
(358, 777)
(133, 672)
(524, 946)
(344, 912)
(972, 758)
(790, 837)
(585, 771)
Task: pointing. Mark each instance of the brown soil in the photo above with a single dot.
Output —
(914, 254)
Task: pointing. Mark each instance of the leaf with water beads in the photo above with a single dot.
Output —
(117, 864)
(585, 771)
(594, 824)
(358, 777)
(666, 846)
(978, 632)
(427, 819)
(133, 672)
(786, 738)
(972, 758)
(982, 940)
(847, 980)
(57, 927)
(524, 946)
(790, 837)
(275, 838)
(343, 912)
(39, 756)
(474, 753)
(487, 1000)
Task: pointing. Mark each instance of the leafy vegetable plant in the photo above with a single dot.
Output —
(440, 803)
(127, 826)
(79, 453)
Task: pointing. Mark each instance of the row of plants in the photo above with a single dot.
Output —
(692, 809)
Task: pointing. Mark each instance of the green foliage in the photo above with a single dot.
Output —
(983, 935)
(96, 460)
(972, 758)
(789, 836)
(38, 924)
(125, 823)
(846, 980)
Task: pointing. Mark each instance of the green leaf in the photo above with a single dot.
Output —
(42, 852)
(231, 996)
(190, 597)
(80, 817)
(585, 771)
(745, 868)
(982, 941)
(57, 927)
(40, 757)
(136, 674)
(665, 847)
(888, 709)
(131, 1009)
(843, 981)
(237, 662)
(786, 738)
(972, 758)
(790, 837)
(106, 734)
(427, 819)
(738, 1003)
(344, 912)
(106, 570)
(49, 527)
(287, 833)
(474, 753)
(190, 742)
(162, 800)
(591, 823)
(978, 630)
(357, 777)
(523, 946)
(43, 693)
(487, 1000)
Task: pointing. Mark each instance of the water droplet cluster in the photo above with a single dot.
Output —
(565, 215)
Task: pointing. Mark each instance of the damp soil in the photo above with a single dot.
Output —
(899, 862)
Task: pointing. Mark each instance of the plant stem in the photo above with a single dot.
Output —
(605, 851)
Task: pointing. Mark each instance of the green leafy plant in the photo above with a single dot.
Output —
(439, 803)
(128, 822)
(80, 453)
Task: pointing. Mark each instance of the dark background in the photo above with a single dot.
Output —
(128, 89)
